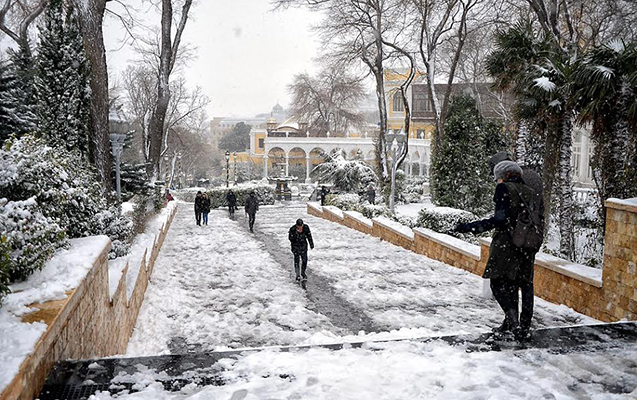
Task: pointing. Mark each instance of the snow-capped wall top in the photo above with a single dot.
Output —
(395, 226)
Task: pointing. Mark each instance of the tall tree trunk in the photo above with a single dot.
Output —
(565, 179)
(549, 168)
(521, 149)
(91, 16)
(169, 51)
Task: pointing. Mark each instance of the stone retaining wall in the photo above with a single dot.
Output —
(88, 324)
(609, 294)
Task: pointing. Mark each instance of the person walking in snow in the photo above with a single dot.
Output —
(299, 236)
(231, 199)
(205, 207)
(323, 193)
(510, 267)
(251, 207)
(198, 207)
(371, 194)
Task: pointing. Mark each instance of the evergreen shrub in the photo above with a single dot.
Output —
(443, 220)
(27, 240)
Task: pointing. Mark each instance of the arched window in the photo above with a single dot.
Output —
(397, 101)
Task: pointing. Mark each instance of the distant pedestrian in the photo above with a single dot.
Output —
(251, 207)
(510, 266)
(323, 193)
(231, 199)
(169, 197)
(205, 208)
(198, 207)
(299, 236)
(371, 194)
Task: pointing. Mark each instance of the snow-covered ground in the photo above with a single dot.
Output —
(219, 287)
(408, 370)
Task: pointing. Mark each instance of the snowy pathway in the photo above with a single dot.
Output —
(395, 287)
(214, 287)
(219, 287)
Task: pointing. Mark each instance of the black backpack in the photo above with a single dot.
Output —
(528, 233)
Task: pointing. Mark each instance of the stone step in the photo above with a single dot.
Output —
(79, 379)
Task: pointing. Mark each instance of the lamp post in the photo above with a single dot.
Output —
(118, 128)
(395, 151)
(234, 168)
(227, 168)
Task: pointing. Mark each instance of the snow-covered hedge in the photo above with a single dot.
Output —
(264, 192)
(444, 219)
(352, 202)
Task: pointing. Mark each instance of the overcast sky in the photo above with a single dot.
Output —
(246, 54)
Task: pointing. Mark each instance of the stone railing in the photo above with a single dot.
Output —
(608, 294)
(88, 323)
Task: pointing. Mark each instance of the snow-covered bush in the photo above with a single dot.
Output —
(352, 202)
(264, 192)
(118, 227)
(28, 238)
(345, 175)
(415, 189)
(64, 189)
(375, 210)
(444, 219)
(344, 201)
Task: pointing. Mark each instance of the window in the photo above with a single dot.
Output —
(420, 133)
(575, 159)
(421, 101)
(261, 143)
(397, 101)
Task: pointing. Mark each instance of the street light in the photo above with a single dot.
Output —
(401, 139)
(227, 168)
(234, 167)
(118, 128)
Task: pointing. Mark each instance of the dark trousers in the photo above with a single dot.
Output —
(251, 219)
(302, 257)
(231, 209)
(205, 218)
(505, 292)
(198, 217)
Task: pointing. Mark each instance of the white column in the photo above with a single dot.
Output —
(265, 165)
(287, 165)
(421, 170)
(409, 169)
(583, 160)
(308, 166)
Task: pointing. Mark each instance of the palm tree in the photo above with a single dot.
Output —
(606, 97)
(539, 76)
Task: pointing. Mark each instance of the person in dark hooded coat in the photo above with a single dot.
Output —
(251, 207)
(509, 267)
(299, 236)
(231, 199)
(198, 207)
